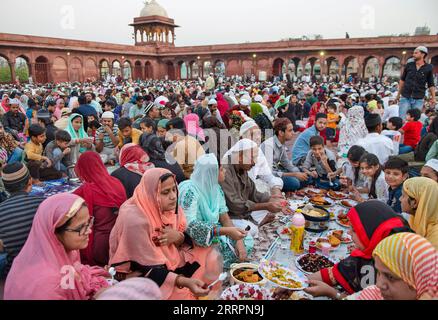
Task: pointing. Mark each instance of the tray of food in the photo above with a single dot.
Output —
(281, 276)
(312, 262)
(343, 220)
(341, 235)
(337, 195)
(246, 292)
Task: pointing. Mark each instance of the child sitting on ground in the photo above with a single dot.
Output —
(376, 185)
(393, 126)
(411, 131)
(58, 151)
(396, 173)
(350, 171)
(324, 162)
(40, 167)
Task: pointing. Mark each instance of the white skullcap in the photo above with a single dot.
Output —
(248, 125)
(14, 101)
(212, 101)
(108, 115)
(258, 98)
(433, 164)
(422, 49)
(244, 102)
(241, 145)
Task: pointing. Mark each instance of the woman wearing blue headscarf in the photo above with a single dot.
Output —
(206, 211)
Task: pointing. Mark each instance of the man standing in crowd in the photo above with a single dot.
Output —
(416, 78)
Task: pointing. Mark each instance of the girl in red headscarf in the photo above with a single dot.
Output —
(104, 195)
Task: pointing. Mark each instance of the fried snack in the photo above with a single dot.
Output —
(347, 204)
(334, 241)
(249, 276)
(319, 200)
(338, 234)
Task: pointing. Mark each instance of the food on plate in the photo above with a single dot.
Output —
(285, 231)
(246, 292)
(334, 241)
(343, 220)
(336, 195)
(316, 214)
(311, 263)
(338, 234)
(281, 276)
(300, 193)
(347, 204)
(320, 201)
(247, 275)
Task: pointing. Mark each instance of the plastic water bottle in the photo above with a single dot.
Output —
(297, 233)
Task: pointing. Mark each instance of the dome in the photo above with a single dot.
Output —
(152, 8)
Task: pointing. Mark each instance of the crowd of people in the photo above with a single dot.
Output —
(177, 177)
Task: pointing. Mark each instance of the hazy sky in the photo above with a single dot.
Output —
(219, 21)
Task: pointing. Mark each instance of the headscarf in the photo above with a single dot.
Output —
(162, 123)
(132, 289)
(24, 102)
(5, 103)
(153, 146)
(256, 109)
(98, 189)
(411, 258)
(58, 111)
(373, 221)
(146, 200)
(425, 221)
(134, 159)
(81, 134)
(192, 126)
(40, 268)
(353, 129)
(204, 180)
(222, 104)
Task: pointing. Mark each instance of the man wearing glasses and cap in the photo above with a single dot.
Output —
(416, 78)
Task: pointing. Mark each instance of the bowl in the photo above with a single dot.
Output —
(316, 224)
(247, 266)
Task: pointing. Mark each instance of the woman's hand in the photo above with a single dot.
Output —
(241, 251)
(197, 287)
(169, 236)
(235, 233)
(321, 289)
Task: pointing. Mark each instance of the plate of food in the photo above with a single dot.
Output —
(322, 201)
(281, 276)
(313, 262)
(333, 241)
(341, 235)
(315, 192)
(291, 295)
(284, 232)
(343, 220)
(246, 292)
(337, 195)
(245, 273)
(349, 203)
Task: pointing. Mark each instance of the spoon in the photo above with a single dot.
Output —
(222, 277)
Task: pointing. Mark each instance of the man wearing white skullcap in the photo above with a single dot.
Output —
(107, 138)
(261, 173)
(430, 170)
(417, 76)
(243, 199)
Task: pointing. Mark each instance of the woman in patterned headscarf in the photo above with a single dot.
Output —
(353, 129)
(407, 266)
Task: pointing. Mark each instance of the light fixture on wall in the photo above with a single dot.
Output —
(68, 53)
(123, 57)
(199, 58)
(404, 53)
(322, 53)
(254, 55)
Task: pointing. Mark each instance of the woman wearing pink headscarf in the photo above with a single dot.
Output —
(222, 104)
(49, 267)
(60, 104)
(192, 126)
